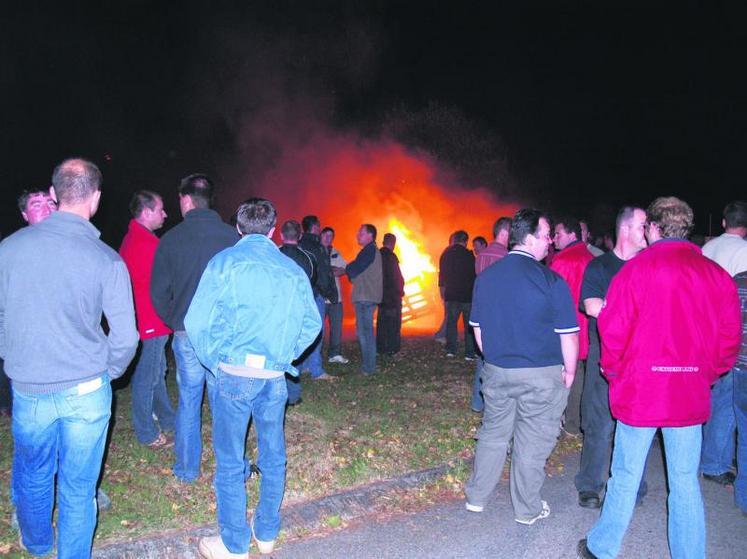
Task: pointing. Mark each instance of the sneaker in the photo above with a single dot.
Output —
(264, 548)
(589, 500)
(338, 359)
(160, 441)
(544, 513)
(213, 547)
(324, 376)
(469, 357)
(449, 354)
(473, 508)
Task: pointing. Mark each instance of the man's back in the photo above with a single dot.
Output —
(521, 306)
(729, 251)
(182, 255)
(457, 273)
(670, 326)
(256, 300)
(56, 279)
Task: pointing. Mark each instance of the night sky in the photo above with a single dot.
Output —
(586, 106)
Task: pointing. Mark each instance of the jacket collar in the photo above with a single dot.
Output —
(69, 222)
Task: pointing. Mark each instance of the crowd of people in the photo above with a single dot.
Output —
(604, 344)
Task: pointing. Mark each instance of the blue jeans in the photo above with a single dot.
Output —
(477, 404)
(718, 432)
(740, 412)
(686, 526)
(364, 330)
(313, 360)
(334, 314)
(237, 400)
(149, 391)
(62, 433)
(191, 377)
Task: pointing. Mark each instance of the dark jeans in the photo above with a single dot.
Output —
(453, 310)
(598, 427)
(388, 327)
(334, 312)
(5, 395)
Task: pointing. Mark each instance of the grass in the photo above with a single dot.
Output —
(357, 429)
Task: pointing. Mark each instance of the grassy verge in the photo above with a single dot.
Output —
(350, 431)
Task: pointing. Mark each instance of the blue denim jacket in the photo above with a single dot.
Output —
(253, 306)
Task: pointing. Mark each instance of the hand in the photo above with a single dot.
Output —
(567, 377)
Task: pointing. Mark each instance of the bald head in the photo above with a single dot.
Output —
(75, 181)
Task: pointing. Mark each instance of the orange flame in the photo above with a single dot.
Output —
(348, 182)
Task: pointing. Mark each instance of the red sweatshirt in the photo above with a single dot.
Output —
(670, 326)
(571, 264)
(137, 250)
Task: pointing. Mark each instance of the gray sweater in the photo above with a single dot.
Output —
(57, 279)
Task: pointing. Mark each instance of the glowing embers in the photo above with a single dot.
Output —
(418, 271)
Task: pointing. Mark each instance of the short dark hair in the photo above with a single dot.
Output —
(388, 238)
(308, 222)
(673, 216)
(327, 230)
(735, 214)
(75, 180)
(142, 199)
(502, 223)
(460, 237)
(624, 216)
(525, 222)
(199, 187)
(23, 198)
(570, 224)
(371, 229)
(291, 230)
(480, 239)
(256, 216)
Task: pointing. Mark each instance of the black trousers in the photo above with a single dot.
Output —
(388, 329)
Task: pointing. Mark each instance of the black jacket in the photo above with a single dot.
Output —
(394, 283)
(456, 274)
(325, 281)
(302, 258)
(182, 255)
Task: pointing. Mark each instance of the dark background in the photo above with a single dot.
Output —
(572, 106)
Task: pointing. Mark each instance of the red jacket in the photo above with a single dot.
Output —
(571, 264)
(137, 250)
(670, 326)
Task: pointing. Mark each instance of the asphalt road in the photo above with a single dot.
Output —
(447, 530)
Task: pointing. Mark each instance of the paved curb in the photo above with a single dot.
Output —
(309, 515)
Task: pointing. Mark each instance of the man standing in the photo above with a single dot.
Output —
(585, 238)
(60, 361)
(730, 252)
(368, 285)
(333, 311)
(180, 259)
(570, 262)
(149, 396)
(669, 327)
(496, 250)
(252, 315)
(324, 290)
(456, 276)
(35, 206)
(290, 232)
(525, 325)
(596, 422)
(389, 322)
